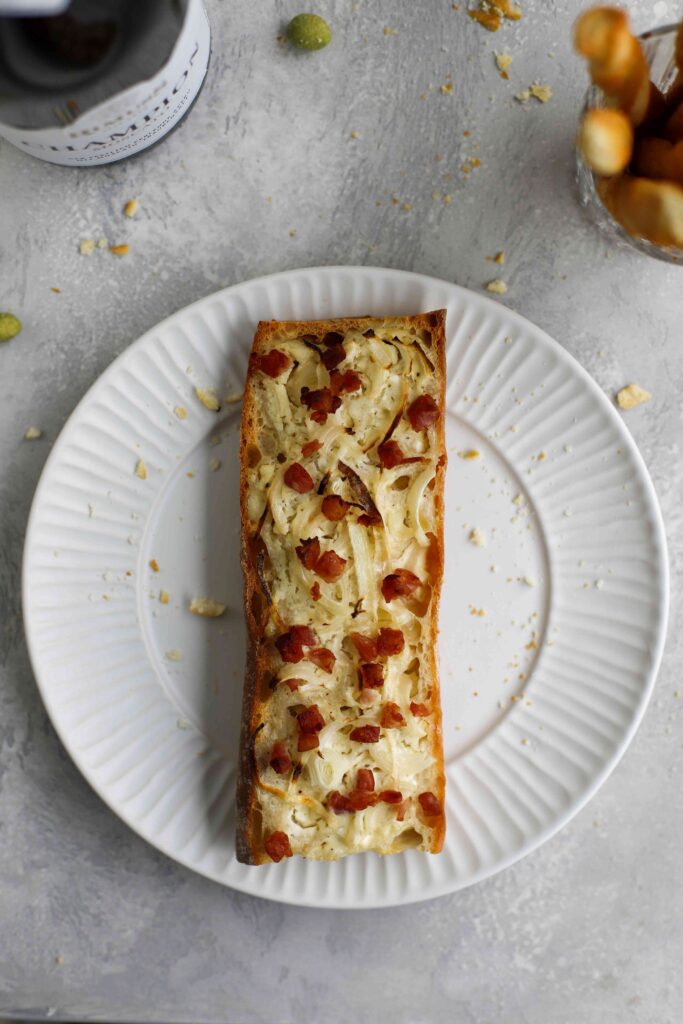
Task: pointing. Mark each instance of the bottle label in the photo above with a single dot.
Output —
(133, 119)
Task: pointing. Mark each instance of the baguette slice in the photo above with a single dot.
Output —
(342, 468)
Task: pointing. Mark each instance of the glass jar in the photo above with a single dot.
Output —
(659, 48)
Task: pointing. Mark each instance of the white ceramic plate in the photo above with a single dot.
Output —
(551, 633)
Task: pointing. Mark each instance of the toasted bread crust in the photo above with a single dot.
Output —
(249, 838)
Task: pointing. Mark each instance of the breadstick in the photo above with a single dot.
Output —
(647, 209)
(616, 61)
(606, 140)
(659, 158)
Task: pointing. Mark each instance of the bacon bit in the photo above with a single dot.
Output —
(315, 591)
(391, 717)
(308, 552)
(400, 583)
(390, 641)
(332, 338)
(280, 761)
(298, 478)
(391, 796)
(369, 520)
(358, 801)
(274, 363)
(334, 508)
(303, 635)
(430, 805)
(290, 650)
(420, 710)
(322, 402)
(291, 645)
(390, 454)
(423, 412)
(365, 780)
(310, 719)
(365, 734)
(401, 810)
(333, 356)
(371, 676)
(307, 741)
(365, 645)
(330, 566)
(310, 447)
(277, 846)
(293, 684)
(343, 383)
(323, 658)
(337, 802)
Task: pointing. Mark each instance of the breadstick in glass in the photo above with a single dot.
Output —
(616, 61)
(647, 209)
(606, 140)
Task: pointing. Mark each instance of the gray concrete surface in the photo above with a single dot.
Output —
(265, 175)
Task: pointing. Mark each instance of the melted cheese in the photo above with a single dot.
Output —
(394, 372)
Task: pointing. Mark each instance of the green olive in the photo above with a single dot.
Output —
(10, 326)
(309, 31)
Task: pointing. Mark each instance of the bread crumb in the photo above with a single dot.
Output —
(448, 199)
(207, 607)
(33, 433)
(480, 612)
(407, 207)
(91, 511)
(59, 960)
(208, 398)
(292, 232)
(233, 397)
(87, 247)
(529, 580)
(447, 88)
(355, 135)
(131, 208)
(215, 465)
(174, 655)
(478, 537)
(190, 474)
(497, 286)
(542, 456)
(181, 412)
(503, 60)
(154, 565)
(519, 500)
(119, 250)
(499, 257)
(390, 31)
(57, 291)
(540, 92)
(141, 469)
(456, 7)
(164, 596)
(470, 453)
(214, 441)
(631, 396)
(101, 243)
(526, 743)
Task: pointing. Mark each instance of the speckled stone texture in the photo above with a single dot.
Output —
(265, 175)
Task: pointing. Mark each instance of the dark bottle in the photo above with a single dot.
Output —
(94, 81)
